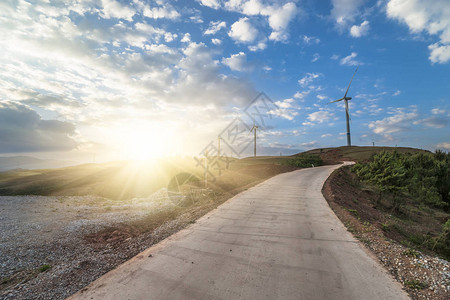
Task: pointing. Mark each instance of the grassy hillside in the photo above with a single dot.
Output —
(125, 180)
(356, 153)
(407, 195)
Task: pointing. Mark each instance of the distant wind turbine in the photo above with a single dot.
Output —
(345, 98)
(254, 128)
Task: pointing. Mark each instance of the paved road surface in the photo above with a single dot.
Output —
(278, 240)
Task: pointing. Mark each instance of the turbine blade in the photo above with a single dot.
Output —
(336, 101)
(350, 82)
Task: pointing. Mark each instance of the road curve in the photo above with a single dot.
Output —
(277, 240)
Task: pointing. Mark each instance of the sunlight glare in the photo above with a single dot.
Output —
(141, 145)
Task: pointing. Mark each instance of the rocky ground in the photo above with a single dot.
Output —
(44, 251)
(422, 276)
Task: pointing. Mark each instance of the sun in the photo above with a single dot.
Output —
(147, 143)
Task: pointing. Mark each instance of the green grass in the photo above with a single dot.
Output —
(359, 153)
(44, 268)
(416, 284)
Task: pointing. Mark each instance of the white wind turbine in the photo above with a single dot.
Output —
(254, 128)
(345, 98)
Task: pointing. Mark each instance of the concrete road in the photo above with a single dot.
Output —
(278, 240)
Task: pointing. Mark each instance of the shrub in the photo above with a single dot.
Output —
(305, 161)
(424, 176)
(44, 268)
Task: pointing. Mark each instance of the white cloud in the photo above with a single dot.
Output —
(316, 57)
(210, 3)
(114, 9)
(186, 38)
(326, 135)
(169, 37)
(443, 146)
(279, 19)
(164, 12)
(396, 93)
(350, 60)
(243, 31)
(278, 15)
(310, 40)
(320, 117)
(438, 111)
(433, 17)
(439, 119)
(91, 75)
(361, 30)
(345, 11)
(400, 121)
(439, 53)
(308, 78)
(216, 41)
(237, 62)
(214, 27)
(285, 109)
(309, 145)
(261, 45)
(301, 95)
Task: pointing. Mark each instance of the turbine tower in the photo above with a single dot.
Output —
(347, 115)
(254, 141)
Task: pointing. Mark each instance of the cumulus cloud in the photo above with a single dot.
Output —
(216, 41)
(350, 60)
(345, 11)
(432, 17)
(237, 62)
(400, 121)
(163, 12)
(443, 146)
(285, 109)
(361, 30)
(243, 31)
(114, 9)
(320, 117)
(214, 27)
(279, 19)
(23, 130)
(308, 78)
(91, 75)
(439, 119)
(210, 3)
(301, 95)
(261, 45)
(439, 53)
(278, 15)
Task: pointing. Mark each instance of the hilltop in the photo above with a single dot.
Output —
(355, 153)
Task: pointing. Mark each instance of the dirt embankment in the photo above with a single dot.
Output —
(423, 276)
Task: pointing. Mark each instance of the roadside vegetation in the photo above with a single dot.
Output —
(305, 161)
(396, 204)
(415, 190)
(408, 195)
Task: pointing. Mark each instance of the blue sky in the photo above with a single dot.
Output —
(121, 79)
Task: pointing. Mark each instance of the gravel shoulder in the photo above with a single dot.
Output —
(39, 232)
(422, 276)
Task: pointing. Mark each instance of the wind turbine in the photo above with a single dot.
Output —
(254, 141)
(345, 98)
